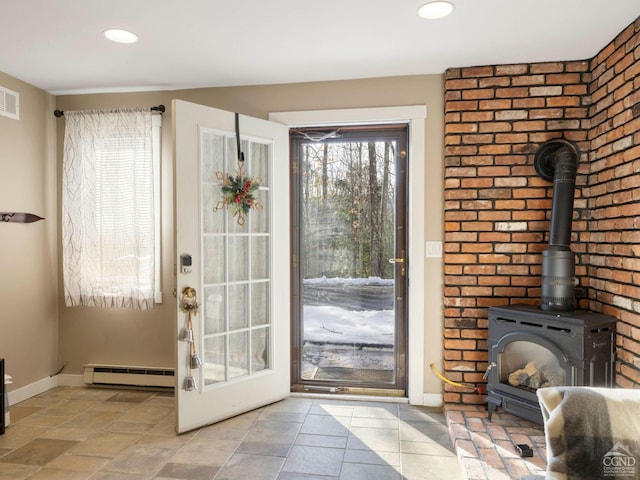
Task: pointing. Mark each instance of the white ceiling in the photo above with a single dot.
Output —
(58, 45)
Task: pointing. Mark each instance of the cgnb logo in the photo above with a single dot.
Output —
(619, 462)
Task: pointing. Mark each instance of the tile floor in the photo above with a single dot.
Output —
(81, 433)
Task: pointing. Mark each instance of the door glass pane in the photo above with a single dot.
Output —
(259, 258)
(259, 303)
(238, 354)
(238, 258)
(214, 310)
(232, 149)
(212, 148)
(260, 163)
(260, 349)
(236, 263)
(260, 223)
(232, 223)
(213, 256)
(210, 201)
(348, 283)
(214, 360)
(238, 299)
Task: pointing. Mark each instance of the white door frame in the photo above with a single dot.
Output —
(415, 116)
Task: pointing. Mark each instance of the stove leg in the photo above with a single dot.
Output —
(492, 406)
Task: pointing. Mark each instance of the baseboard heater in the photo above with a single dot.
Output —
(118, 375)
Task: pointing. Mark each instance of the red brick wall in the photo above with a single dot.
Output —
(497, 208)
(613, 193)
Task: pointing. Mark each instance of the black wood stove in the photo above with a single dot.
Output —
(530, 348)
(552, 345)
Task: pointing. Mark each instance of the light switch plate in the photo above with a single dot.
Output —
(434, 249)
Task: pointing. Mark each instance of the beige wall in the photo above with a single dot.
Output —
(123, 337)
(28, 252)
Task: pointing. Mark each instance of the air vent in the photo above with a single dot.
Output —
(9, 103)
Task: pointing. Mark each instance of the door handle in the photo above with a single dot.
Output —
(189, 300)
(402, 261)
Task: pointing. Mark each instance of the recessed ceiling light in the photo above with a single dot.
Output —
(120, 36)
(434, 10)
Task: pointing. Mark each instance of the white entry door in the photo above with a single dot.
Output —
(233, 356)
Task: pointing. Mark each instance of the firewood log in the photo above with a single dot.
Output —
(553, 377)
(523, 376)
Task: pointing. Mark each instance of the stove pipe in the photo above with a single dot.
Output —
(557, 161)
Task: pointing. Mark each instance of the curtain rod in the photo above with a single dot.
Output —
(159, 108)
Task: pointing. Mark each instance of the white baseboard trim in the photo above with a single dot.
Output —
(68, 380)
(433, 400)
(40, 386)
(36, 388)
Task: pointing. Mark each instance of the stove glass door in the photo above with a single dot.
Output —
(528, 365)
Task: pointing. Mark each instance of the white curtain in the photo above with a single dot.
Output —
(108, 212)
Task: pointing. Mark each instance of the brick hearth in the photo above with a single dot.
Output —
(486, 450)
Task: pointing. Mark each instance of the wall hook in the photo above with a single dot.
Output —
(17, 217)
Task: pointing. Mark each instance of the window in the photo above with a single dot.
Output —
(110, 208)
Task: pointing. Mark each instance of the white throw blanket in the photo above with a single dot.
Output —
(591, 433)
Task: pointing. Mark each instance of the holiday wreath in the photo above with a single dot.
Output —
(239, 194)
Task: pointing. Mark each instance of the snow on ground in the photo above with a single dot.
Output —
(335, 336)
(326, 324)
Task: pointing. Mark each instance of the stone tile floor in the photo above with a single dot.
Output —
(486, 450)
(98, 434)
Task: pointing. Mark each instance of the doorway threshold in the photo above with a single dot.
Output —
(349, 393)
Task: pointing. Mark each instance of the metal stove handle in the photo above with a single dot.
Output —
(486, 373)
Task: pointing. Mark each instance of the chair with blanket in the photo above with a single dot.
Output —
(591, 433)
